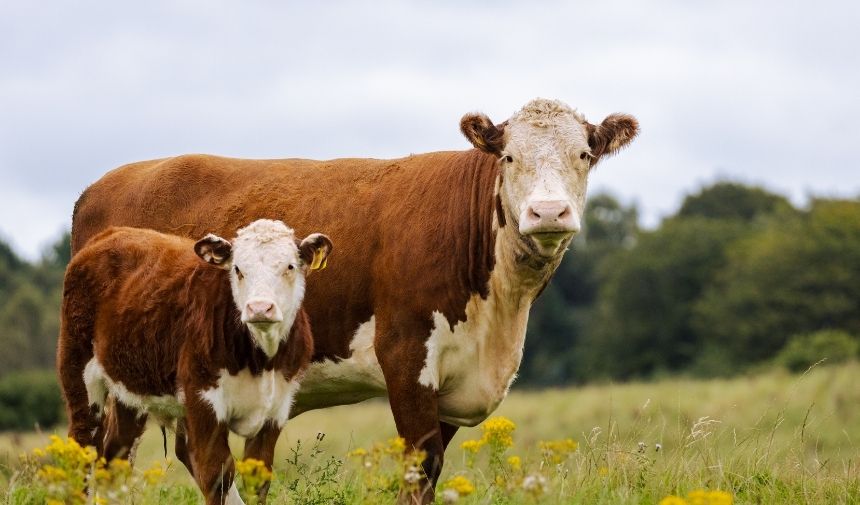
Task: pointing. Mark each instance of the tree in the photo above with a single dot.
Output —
(644, 310)
(732, 200)
(799, 275)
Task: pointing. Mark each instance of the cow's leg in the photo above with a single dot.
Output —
(209, 453)
(448, 431)
(401, 353)
(262, 447)
(123, 427)
(181, 447)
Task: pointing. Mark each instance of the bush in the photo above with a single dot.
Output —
(28, 399)
(803, 351)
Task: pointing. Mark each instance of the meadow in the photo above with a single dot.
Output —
(770, 437)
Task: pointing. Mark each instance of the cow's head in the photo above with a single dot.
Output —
(546, 151)
(267, 268)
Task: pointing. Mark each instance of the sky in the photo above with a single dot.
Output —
(761, 92)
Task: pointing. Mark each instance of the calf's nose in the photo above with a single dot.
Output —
(260, 311)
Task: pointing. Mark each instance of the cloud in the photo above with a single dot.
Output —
(762, 91)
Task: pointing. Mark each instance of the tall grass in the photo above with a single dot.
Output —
(767, 438)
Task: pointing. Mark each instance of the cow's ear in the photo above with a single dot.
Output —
(214, 250)
(615, 132)
(314, 250)
(482, 133)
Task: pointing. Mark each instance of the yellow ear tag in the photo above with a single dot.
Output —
(319, 261)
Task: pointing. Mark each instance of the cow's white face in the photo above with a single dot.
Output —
(546, 151)
(267, 275)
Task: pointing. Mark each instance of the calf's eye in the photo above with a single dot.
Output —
(290, 267)
(508, 158)
(238, 273)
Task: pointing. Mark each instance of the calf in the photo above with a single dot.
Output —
(205, 337)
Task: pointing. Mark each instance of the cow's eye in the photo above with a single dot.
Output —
(508, 158)
(584, 155)
(238, 273)
(290, 267)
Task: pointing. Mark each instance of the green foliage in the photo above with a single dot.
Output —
(645, 306)
(798, 275)
(29, 400)
(30, 307)
(731, 200)
(831, 346)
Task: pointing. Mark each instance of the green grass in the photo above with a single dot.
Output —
(768, 438)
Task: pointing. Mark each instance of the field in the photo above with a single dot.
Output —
(765, 438)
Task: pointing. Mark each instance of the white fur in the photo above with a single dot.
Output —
(245, 402)
(472, 366)
(233, 497)
(545, 140)
(264, 251)
(354, 379)
(99, 385)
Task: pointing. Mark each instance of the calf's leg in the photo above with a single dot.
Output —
(262, 446)
(209, 453)
(74, 351)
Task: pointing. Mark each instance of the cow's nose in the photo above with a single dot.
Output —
(549, 216)
(260, 311)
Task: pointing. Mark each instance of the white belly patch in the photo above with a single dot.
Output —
(99, 385)
(245, 401)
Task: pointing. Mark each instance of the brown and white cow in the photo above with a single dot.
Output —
(205, 337)
(442, 253)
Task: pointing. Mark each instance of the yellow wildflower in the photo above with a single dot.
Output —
(358, 453)
(515, 463)
(153, 474)
(603, 471)
(472, 446)
(673, 500)
(52, 473)
(396, 445)
(557, 451)
(461, 484)
(498, 431)
(254, 474)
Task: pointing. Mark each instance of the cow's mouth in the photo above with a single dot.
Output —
(549, 243)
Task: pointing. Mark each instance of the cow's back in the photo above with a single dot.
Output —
(392, 221)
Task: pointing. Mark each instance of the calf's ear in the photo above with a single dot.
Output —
(482, 133)
(615, 132)
(314, 250)
(214, 250)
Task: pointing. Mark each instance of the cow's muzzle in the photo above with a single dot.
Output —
(549, 217)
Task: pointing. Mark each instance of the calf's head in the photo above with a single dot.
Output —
(546, 151)
(267, 267)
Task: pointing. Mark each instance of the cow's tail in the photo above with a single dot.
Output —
(74, 361)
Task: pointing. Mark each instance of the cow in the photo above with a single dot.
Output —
(443, 254)
(205, 337)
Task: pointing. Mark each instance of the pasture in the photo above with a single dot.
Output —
(771, 437)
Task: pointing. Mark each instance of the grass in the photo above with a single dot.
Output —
(767, 438)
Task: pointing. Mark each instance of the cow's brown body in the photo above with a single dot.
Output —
(417, 235)
(163, 323)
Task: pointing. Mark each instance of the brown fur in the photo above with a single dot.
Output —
(482, 133)
(158, 318)
(615, 132)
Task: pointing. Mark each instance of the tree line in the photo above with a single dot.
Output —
(738, 277)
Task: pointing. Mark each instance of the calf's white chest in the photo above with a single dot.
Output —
(245, 401)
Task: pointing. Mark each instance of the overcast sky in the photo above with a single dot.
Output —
(764, 92)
